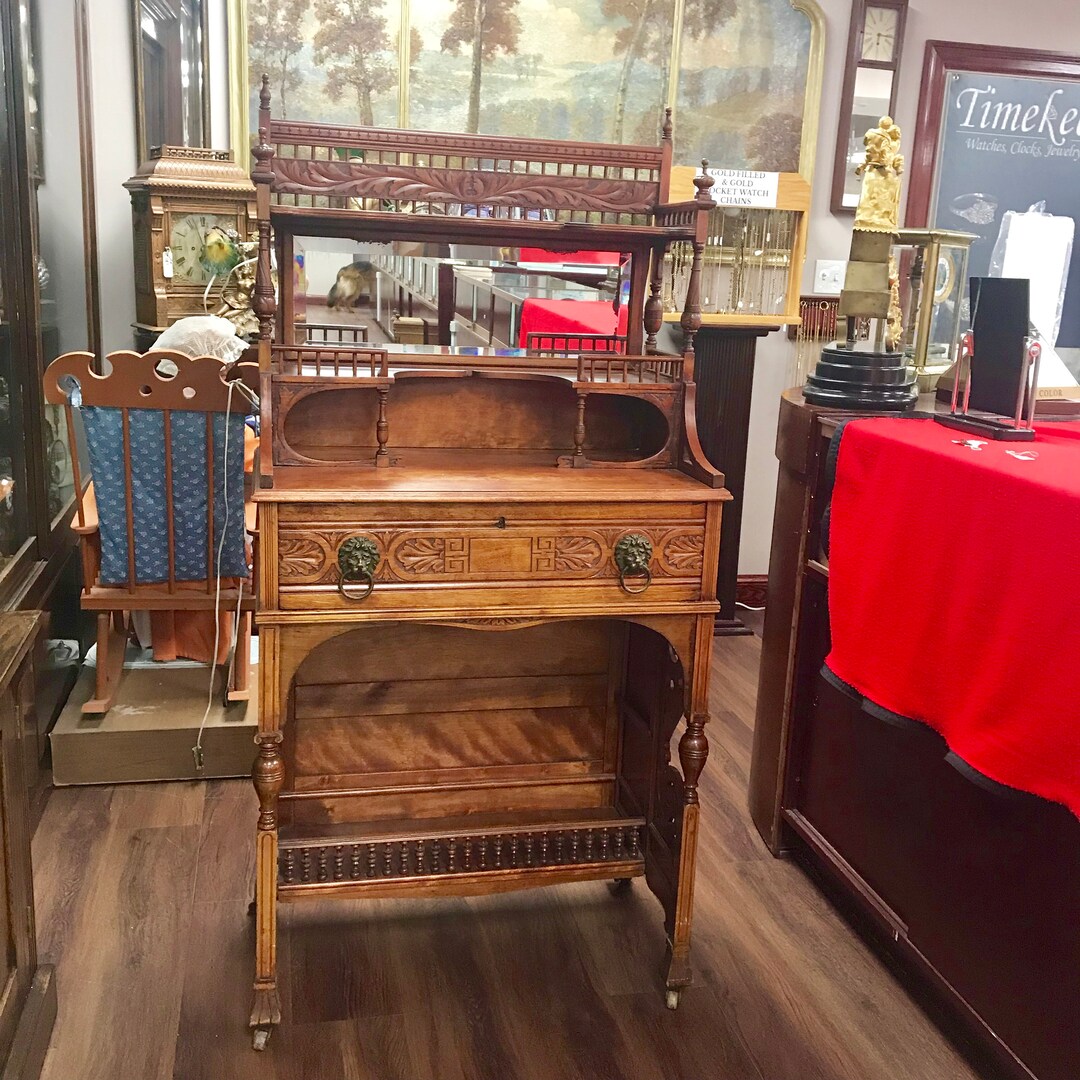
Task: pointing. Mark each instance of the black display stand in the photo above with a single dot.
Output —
(862, 378)
(725, 381)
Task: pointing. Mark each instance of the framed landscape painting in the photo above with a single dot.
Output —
(743, 76)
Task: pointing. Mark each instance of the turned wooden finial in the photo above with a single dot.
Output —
(667, 128)
(703, 183)
(262, 149)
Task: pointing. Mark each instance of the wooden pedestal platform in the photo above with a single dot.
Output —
(149, 733)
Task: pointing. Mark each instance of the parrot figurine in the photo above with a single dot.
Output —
(221, 250)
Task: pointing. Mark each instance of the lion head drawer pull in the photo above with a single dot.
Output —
(357, 558)
(632, 556)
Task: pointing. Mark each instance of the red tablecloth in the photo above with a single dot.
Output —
(570, 317)
(601, 258)
(954, 592)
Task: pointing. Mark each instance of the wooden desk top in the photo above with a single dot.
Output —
(18, 632)
(316, 483)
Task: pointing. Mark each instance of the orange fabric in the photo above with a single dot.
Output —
(188, 634)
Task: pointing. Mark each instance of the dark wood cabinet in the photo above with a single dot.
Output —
(972, 894)
(28, 998)
(41, 312)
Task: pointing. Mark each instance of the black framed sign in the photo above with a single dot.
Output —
(998, 130)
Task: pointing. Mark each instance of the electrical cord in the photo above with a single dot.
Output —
(197, 749)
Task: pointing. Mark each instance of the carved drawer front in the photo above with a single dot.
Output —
(382, 562)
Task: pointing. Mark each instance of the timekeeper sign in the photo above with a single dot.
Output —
(744, 187)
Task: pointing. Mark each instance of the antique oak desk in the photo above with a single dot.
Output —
(487, 583)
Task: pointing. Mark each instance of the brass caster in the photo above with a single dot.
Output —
(260, 1037)
(671, 999)
(621, 885)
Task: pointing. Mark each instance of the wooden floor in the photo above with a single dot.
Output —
(365, 313)
(142, 895)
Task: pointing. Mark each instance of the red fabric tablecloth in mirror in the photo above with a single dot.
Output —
(571, 317)
(954, 592)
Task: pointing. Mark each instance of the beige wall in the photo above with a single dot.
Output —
(1034, 24)
(112, 69)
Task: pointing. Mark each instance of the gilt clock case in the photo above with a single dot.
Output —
(175, 196)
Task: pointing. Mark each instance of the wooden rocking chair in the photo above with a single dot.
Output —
(150, 542)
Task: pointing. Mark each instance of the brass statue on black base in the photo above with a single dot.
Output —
(874, 374)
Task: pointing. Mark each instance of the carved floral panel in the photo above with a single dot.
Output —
(354, 179)
(309, 557)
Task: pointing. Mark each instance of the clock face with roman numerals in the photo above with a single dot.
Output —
(186, 240)
(879, 34)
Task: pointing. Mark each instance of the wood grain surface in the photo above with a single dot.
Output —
(142, 902)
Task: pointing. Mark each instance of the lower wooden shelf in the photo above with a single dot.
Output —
(451, 853)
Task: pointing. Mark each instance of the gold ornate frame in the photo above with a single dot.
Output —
(815, 68)
(239, 127)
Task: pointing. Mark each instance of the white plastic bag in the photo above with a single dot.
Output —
(203, 335)
(1037, 246)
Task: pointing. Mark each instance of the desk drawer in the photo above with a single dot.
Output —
(444, 555)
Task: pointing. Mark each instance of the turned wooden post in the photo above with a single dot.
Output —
(263, 302)
(666, 148)
(691, 316)
(693, 753)
(382, 429)
(654, 306)
(579, 430)
(268, 776)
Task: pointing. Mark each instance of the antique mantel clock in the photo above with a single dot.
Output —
(871, 75)
(176, 196)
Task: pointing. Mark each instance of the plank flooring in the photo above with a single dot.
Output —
(142, 895)
(319, 313)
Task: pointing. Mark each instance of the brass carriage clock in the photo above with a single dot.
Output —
(176, 196)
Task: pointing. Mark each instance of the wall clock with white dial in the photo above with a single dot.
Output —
(879, 34)
(871, 75)
(186, 241)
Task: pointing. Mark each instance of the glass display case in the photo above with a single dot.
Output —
(747, 264)
(932, 265)
(397, 276)
(753, 257)
(46, 308)
(488, 301)
(482, 299)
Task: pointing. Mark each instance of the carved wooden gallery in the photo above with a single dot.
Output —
(507, 569)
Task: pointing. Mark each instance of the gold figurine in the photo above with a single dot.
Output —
(879, 203)
(872, 373)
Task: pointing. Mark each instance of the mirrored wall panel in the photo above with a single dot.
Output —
(171, 71)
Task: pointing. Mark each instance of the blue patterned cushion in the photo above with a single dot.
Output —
(105, 441)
